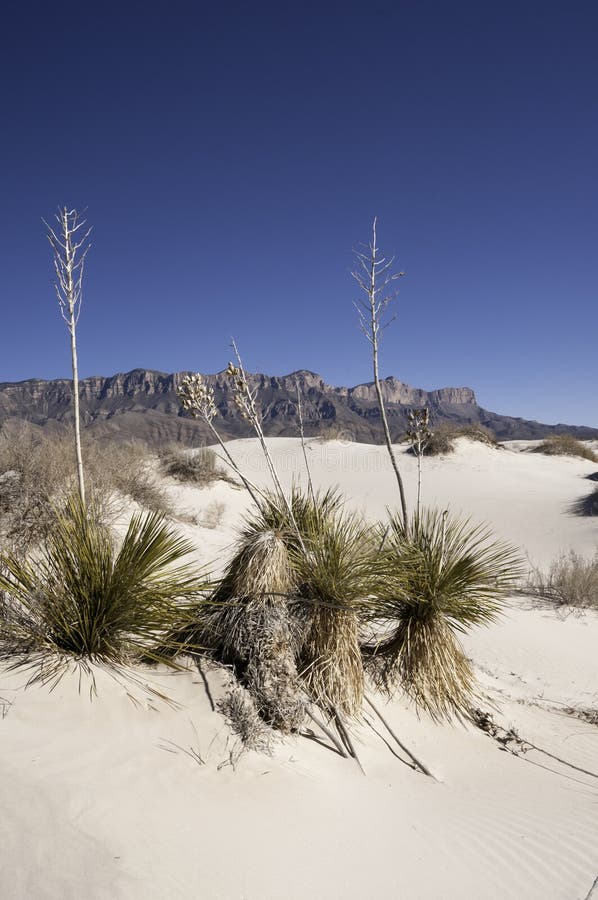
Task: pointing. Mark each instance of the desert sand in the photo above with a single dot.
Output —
(124, 797)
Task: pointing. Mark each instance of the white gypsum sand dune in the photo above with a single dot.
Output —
(106, 798)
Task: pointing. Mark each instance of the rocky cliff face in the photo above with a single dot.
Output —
(143, 404)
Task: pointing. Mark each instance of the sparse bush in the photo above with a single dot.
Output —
(197, 467)
(440, 442)
(212, 515)
(476, 432)
(572, 580)
(334, 432)
(442, 439)
(565, 445)
(438, 577)
(81, 599)
(38, 469)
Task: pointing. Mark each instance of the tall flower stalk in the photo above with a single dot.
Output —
(70, 246)
(374, 276)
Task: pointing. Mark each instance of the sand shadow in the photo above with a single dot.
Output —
(586, 506)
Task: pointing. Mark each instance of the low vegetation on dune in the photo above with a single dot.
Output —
(199, 466)
(82, 599)
(565, 445)
(572, 580)
(314, 604)
(442, 439)
(438, 577)
(38, 470)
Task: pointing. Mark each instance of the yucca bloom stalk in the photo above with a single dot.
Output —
(374, 277)
(245, 401)
(197, 398)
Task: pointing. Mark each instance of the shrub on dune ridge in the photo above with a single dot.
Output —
(82, 599)
(199, 466)
(572, 580)
(439, 577)
(565, 445)
(442, 439)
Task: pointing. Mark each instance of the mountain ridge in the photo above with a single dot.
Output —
(142, 403)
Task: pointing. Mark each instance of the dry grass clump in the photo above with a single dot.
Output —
(199, 466)
(572, 580)
(37, 470)
(334, 432)
(442, 439)
(81, 599)
(440, 442)
(565, 445)
(243, 718)
(476, 432)
(439, 577)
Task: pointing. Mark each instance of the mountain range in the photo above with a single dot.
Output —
(143, 404)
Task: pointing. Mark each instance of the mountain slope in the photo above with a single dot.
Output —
(143, 404)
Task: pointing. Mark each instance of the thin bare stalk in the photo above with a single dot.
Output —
(303, 447)
(374, 278)
(405, 749)
(346, 738)
(329, 734)
(197, 399)
(245, 400)
(419, 437)
(70, 251)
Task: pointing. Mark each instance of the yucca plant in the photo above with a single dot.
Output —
(438, 577)
(83, 599)
(335, 576)
(311, 514)
(248, 623)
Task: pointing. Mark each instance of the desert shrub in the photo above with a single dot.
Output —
(197, 467)
(572, 580)
(126, 469)
(442, 439)
(438, 577)
(565, 445)
(334, 432)
(440, 442)
(477, 432)
(37, 470)
(212, 515)
(80, 598)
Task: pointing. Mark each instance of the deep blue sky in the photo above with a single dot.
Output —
(232, 155)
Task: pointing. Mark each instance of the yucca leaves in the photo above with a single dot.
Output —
(437, 577)
(82, 598)
(335, 575)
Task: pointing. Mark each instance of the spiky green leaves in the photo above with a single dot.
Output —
(439, 576)
(83, 599)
